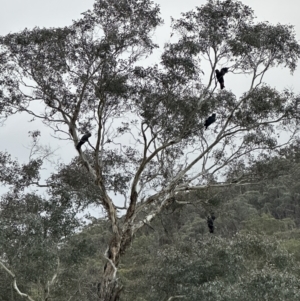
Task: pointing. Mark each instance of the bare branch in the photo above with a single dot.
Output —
(133, 195)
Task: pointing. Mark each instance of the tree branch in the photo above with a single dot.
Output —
(176, 297)
(51, 282)
(15, 282)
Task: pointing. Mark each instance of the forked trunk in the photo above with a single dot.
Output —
(109, 288)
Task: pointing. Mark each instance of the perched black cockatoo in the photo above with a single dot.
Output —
(83, 139)
(210, 223)
(211, 119)
(220, 76)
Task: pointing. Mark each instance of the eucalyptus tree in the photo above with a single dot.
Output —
(148, 142)
(32, 230)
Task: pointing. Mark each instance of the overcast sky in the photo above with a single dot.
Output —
(15, 15)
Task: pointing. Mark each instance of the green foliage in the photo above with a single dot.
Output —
(81, 263)
(245, 266)
(270, 45)
(19, 176)
(215, 22)
(293, 246)
(31, 229)
(267, 224)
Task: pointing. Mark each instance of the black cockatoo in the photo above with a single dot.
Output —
(83, 139)
(210, 223)
(211, 119)
(220, 76)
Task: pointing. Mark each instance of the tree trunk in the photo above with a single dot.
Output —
(109, 288)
